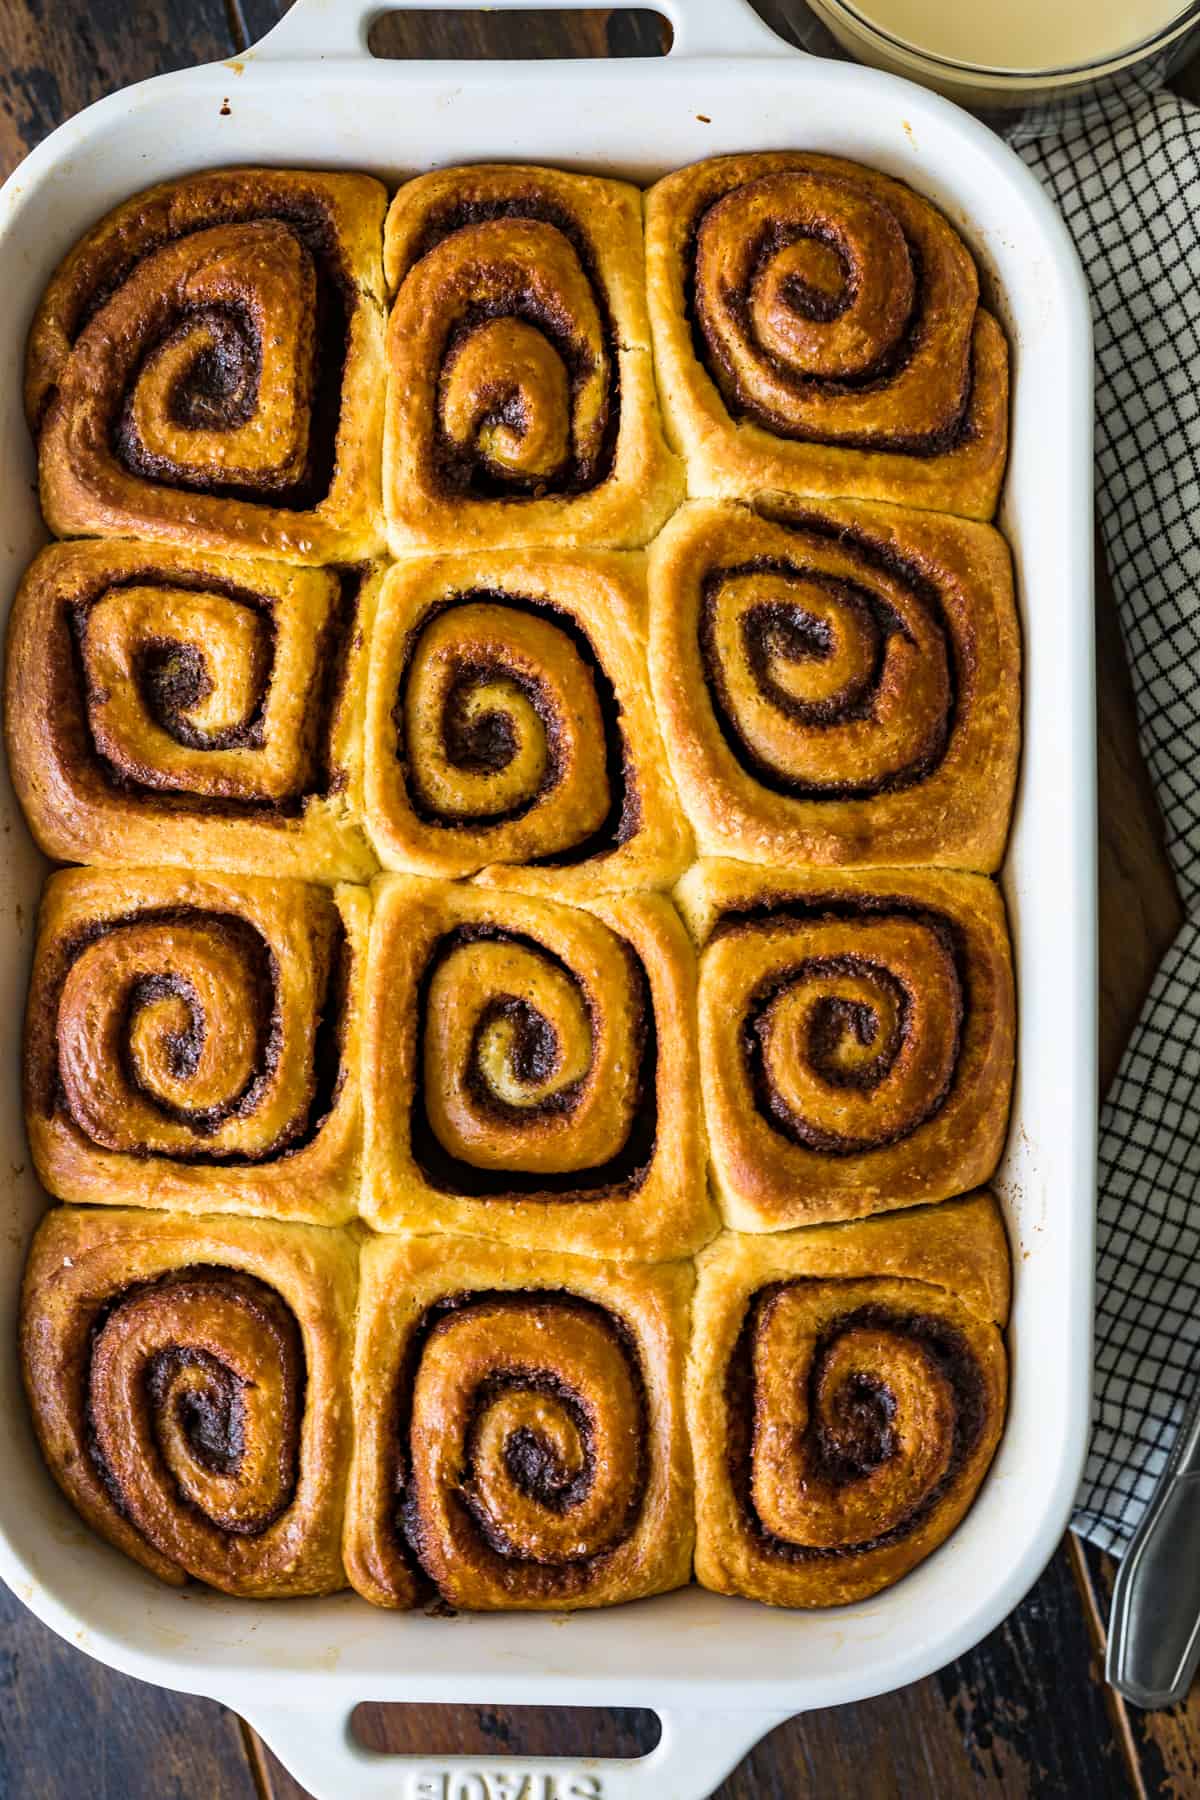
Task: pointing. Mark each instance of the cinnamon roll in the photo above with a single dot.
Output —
(817, 330)
(167, 706)
(193, 1041)
(519, 1430)
(189, 1384)
(838, 683)
(846, 1392)
(510, 729)
(856, 1037)
(529, 1072)
(206, 368)
(521, 404)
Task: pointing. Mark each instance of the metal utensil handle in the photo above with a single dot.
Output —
(1154, 1630)
(338, 28)
(695, 1753)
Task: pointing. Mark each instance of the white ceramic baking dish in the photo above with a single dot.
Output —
(720, 1672)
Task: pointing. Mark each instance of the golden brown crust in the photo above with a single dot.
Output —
(167, 706)
(206, 368)
(529, 1072)
(854, 360)
(512, 1066)
(838, 683)
(509, 723)
(521, 403)
(846, 1392)
(189, 1382)
(856, 1037)
(192, 1041)
(463, 1344)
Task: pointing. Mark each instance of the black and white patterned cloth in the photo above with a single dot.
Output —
(1124, 169)
(1128, 184)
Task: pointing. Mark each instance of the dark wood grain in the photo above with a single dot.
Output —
(69, 1728)
(57, 58)
(1164, 1747)
(479, 36)
(1025, 1714)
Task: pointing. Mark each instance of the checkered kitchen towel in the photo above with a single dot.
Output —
(1128, 184)
(1125, 172)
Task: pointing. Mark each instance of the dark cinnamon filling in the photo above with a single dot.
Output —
(773, 630)
(476, 749)
(467, 473)
(834, 1017)
(212, 1417)
(173, 677)
(185, 1047)
(530, 1460)
(258, 957)
(485, 743)
(812, 304)
(831, 1019)
(533, 1461)
(621, 1176)
(861, 1436)
(221, 388)
(210, 1411)
(342, 636)
(534, 1053)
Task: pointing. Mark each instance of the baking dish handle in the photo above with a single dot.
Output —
(338, 28)
(695, 1753)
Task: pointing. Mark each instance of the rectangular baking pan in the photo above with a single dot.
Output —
(720, 1672)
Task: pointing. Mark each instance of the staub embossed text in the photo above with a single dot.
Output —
(493, 1784)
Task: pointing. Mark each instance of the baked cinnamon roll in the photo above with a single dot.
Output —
(856, 1037)
(846, 1392)
(521, 403)
(839, 683)
(529, 1072)
(817, 330)
(167, 706)
(193, 1041)
(206, 368)
(189, 1384)
(510, 728)
(519, 1429)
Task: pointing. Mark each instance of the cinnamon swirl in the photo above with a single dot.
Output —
(838, 684)
(189, 1383)
(817, 330)
(193, 1041)
(856, 1037)
(521, 403)
(519, 1430)
(164, 706)
(510, 729)
(206, 368)
(529, 1071)
(846, 1392)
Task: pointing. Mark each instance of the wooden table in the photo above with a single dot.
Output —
(1025, 1713)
